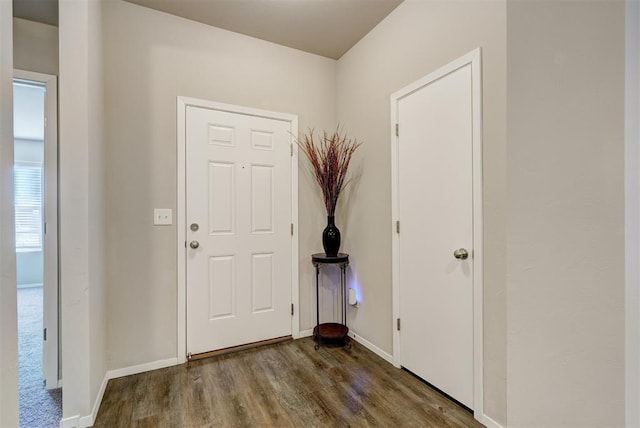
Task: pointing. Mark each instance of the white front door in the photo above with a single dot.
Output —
(238, 217)
(435, 191)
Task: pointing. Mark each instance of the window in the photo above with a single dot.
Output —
(28, 204)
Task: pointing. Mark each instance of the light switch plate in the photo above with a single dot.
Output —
(162, 216)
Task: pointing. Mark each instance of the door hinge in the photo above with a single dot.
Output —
(291, 150)
(292, 309)
(397, 130)
(398, 227)
(44, 334)
(398, 324)
(185, 244)
(291, 229)
(45, 228)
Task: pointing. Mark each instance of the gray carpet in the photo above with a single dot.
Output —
(39, 408)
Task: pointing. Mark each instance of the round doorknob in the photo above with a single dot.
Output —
(194, 244)
(461, 254)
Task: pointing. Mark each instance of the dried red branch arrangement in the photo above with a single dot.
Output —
(329, 156)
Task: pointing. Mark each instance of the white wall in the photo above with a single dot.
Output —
(97, 158)
(82, 224)
(417, 38)
(563, 168)
(8, 315)
(632, 214)
(150, 59)
(565, 249)
(35, 46)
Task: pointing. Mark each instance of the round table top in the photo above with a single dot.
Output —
(323, 258)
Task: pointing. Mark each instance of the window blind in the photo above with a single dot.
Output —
(28, 206)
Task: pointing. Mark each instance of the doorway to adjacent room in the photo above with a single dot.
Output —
(36, 226)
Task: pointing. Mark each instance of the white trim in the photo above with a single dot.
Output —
(632, 214)
(305, 333)
(96, 404)
(70, 422)
(34, 76)
(361, 340)
(50, 217)
(370, 346)
(487, 421)
(85, 421)
(88, 420)
(473, 58)
(141, 368)
(182, 104)
(181, 212)
(295, 287)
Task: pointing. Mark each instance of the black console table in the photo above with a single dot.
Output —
(333, 331)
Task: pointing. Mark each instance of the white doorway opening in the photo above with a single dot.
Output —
(36, 233)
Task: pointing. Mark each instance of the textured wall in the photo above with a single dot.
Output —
(565, 250)
(150, 59)
(82, 201)
(35, 46)
(416, 39)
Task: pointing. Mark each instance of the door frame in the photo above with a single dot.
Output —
(50, 244)
(181, 221)
(473, 58)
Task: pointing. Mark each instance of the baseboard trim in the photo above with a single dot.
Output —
(70, 422)
(96, 404)
(488, 422)
(361, 340)
(306, 333)
(78, 421)
(371, 347)
(141, 368)
(88, 420)
(85, 421)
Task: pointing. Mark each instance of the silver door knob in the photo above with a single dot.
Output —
(461, 254)
(194, 244)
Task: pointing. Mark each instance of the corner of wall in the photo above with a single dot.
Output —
(82, 225)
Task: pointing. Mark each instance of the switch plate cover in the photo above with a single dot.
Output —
(162, 216)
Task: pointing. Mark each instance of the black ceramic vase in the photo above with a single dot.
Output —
(331, 238)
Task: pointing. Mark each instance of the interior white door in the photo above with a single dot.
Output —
(29, 110)
(435, 191)
(238, 212)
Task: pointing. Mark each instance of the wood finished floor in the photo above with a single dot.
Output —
(284, 385)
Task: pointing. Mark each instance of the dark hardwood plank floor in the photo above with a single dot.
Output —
(283, 385)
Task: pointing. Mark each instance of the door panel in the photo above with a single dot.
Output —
(435, 198)
(239, 195)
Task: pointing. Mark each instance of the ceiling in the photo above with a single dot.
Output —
(323, 27)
